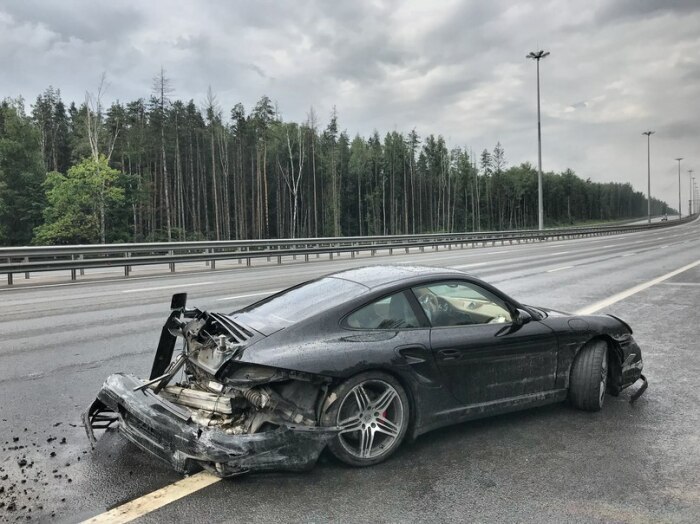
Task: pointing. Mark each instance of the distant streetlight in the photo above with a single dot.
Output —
(680, 213)
(648, 134)
(539, 55)
(690, 191)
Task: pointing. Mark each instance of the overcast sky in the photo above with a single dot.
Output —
(454, 68)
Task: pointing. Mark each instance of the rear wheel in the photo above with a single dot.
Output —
(589, 376)
(373, 411)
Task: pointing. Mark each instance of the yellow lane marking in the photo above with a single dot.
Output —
(155, 500)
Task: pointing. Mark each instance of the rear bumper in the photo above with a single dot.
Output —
(167, 432)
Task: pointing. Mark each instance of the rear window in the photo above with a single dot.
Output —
(298, 303)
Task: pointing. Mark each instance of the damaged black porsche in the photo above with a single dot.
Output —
(356, 361)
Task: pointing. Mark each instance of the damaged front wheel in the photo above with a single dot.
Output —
(372, 410)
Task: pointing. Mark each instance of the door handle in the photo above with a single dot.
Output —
(449, 354)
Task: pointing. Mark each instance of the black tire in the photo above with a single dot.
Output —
(394, 419)
(589, 376)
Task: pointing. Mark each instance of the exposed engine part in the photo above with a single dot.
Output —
(202, 400)
(257, 398)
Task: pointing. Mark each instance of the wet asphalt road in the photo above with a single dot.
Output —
(628, 463)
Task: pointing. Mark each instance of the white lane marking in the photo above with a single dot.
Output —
(165, 287)
(559, 253)
(462, 266)
(681, 283)
(627, 254)
(496, 252)
(588, 310)
(559, 269)
(664, 247)
(156, 499)
(236, 297)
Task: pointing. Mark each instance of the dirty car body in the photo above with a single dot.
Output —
(259, 389)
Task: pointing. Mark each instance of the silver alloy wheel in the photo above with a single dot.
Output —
(371, 417)
(603, 377)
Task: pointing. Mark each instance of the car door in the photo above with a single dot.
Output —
(482, 354)
(396, 323)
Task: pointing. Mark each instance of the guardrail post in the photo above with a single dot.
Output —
(213, 264)
(73, 271)
(352, 254)
(82, 271)
(9, 279)
(407, 251)
(247, 261)
(306, 257)
(126, 271)
(330, 255)
(279, 259)
(391, 251)
(26, 273)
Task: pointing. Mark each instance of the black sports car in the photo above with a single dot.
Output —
(357, 361)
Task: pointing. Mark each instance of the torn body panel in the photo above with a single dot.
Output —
(171, 433)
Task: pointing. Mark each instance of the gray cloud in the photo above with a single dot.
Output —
(454, 67)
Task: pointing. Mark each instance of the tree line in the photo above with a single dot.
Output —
(161, 169)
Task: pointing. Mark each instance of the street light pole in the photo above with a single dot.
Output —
(680, 213)
(690, 191)
(539, 55)
(648, 134)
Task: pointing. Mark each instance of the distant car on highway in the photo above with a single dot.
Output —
(664, 218)
(356, 361)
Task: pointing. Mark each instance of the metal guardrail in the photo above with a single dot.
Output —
(30, 259)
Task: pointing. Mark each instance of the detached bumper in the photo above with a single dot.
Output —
(167, 432)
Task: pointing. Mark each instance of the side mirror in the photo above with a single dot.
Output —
(521, 317)
(179, 301)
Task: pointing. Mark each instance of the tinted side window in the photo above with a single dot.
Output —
(461, 304)
(392, 312)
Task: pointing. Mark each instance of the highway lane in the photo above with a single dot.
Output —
(58, 343)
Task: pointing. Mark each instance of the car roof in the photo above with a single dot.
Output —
(381, 275)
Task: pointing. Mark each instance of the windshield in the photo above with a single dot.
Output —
(298, 303)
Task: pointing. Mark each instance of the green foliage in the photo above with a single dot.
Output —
(78, 202)
(21, 174)
(174, 171)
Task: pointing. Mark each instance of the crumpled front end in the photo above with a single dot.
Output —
(204, 408)
(171, 433)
